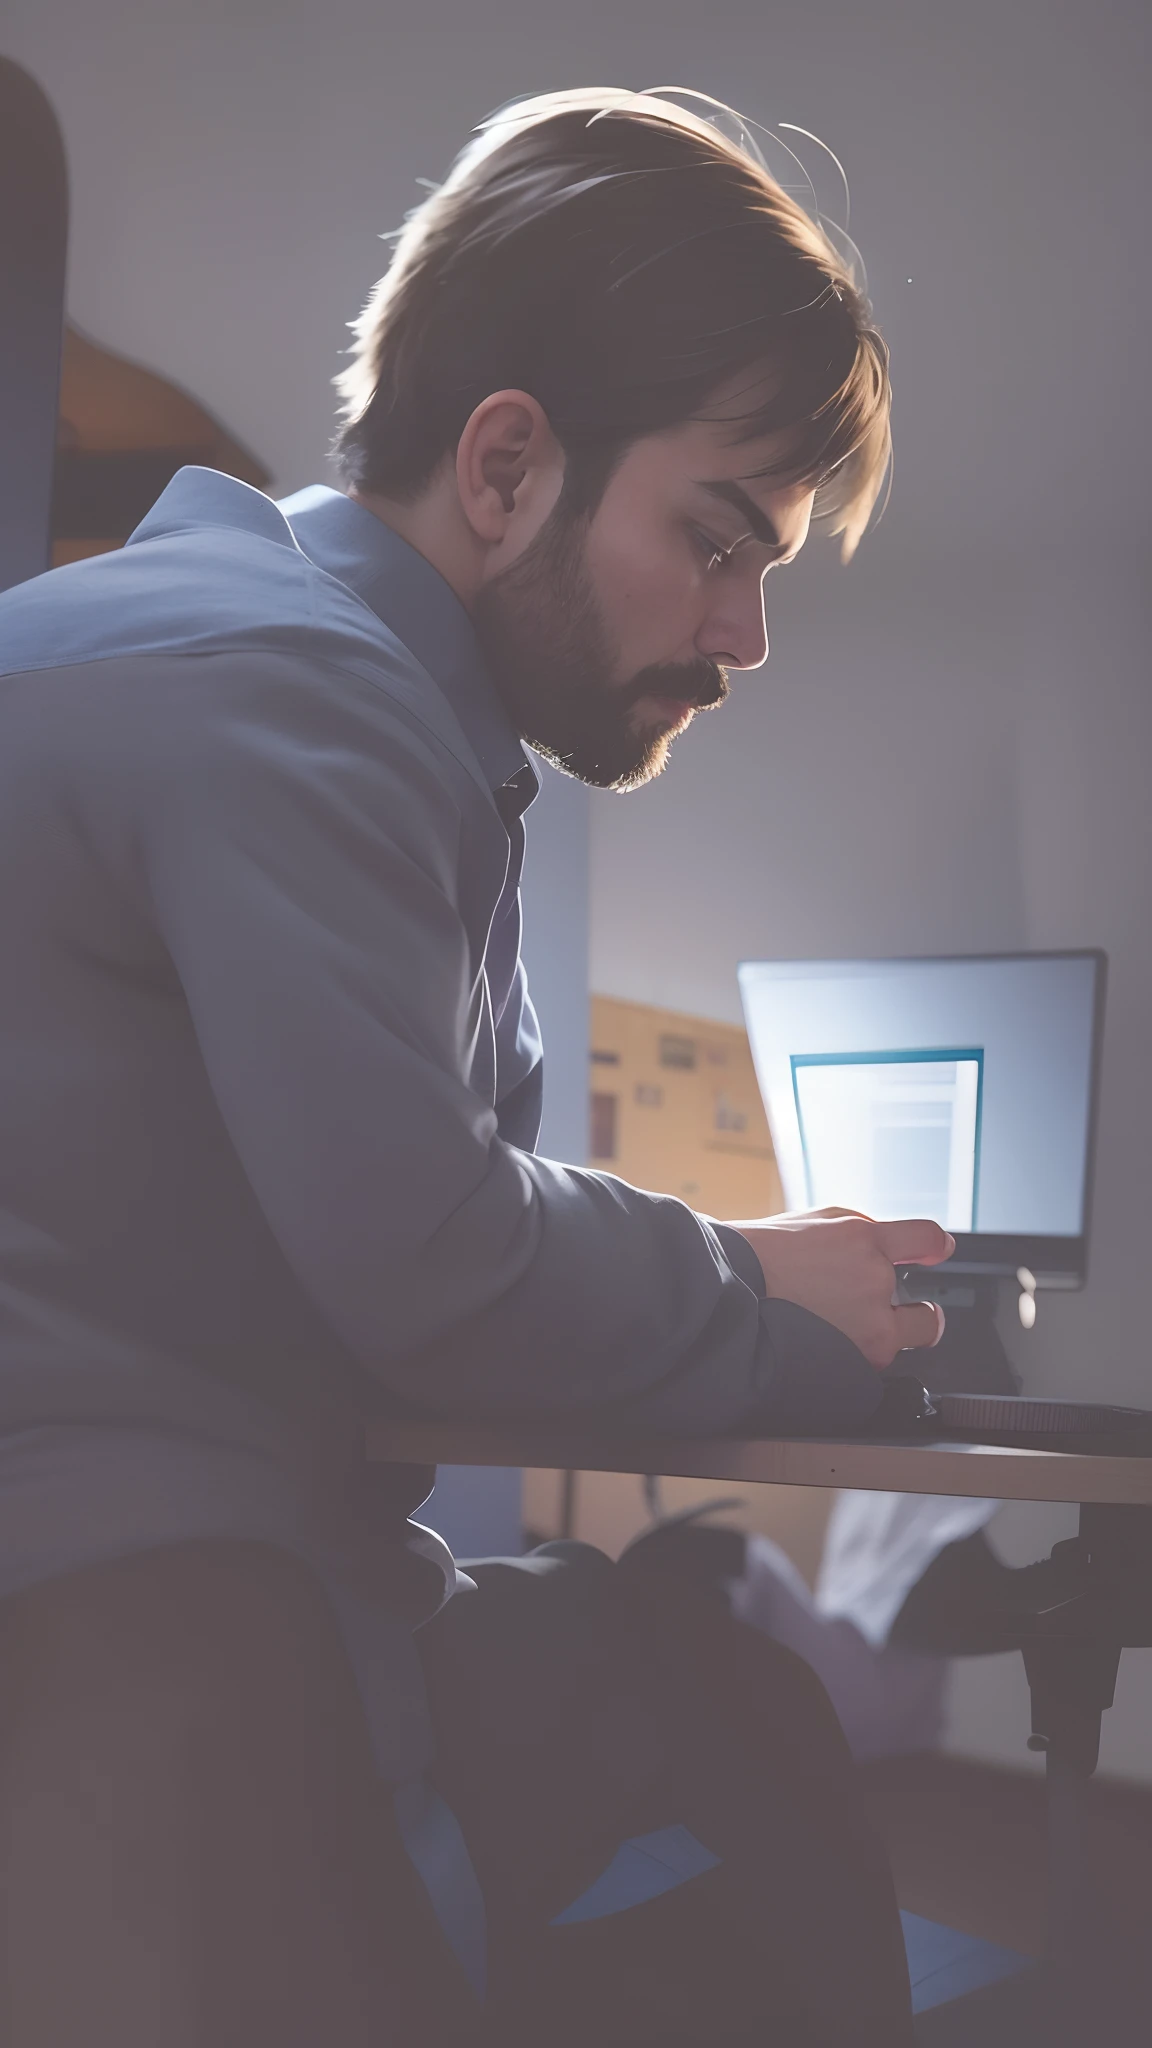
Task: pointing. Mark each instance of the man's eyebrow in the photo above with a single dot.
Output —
(759, 525)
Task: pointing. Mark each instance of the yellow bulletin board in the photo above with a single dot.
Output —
(675, 1108)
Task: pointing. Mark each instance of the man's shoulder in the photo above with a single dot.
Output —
(235, 597)
(209, 589)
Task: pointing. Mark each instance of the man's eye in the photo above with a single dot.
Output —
(712, 554)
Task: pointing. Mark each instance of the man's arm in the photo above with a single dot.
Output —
(301, 858)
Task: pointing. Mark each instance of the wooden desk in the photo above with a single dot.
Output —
(1120, 1477)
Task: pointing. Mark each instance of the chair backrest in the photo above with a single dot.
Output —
(33, 250)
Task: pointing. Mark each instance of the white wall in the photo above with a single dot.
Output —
(951, 746)
(556, 936)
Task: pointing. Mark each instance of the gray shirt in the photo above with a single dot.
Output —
(269, 1075)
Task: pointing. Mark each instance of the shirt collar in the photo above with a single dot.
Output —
(198, 497)
(414, 601)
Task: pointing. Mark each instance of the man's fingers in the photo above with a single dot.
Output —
(919, 1325)
(915, 1241)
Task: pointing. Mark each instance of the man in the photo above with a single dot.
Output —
(270, 1096)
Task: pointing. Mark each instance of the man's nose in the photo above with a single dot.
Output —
(736, 635)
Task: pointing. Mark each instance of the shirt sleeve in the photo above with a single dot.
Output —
(301, 851)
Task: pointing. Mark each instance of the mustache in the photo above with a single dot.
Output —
(702, 683)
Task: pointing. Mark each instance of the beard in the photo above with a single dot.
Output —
(552, 664)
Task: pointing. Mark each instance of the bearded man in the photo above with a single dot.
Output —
(269, 1102)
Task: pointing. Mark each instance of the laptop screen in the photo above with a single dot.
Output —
(961, 1089)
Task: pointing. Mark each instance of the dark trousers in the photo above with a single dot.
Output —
(195, 1853)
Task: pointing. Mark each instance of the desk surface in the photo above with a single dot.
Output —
(1001, 1473)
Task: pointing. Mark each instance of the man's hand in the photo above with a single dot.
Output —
(841, 1265)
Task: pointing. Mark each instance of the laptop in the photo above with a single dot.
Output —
(964, 1088)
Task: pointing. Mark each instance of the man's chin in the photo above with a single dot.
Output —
(650, 764)
(643, 763)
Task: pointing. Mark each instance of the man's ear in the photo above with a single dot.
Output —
(509, 472)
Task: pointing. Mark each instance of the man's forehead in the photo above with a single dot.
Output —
(753, 478)
(763, 463)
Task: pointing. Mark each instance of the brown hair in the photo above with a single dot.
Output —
(621, 259)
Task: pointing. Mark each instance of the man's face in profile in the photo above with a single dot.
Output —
(613, 629)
